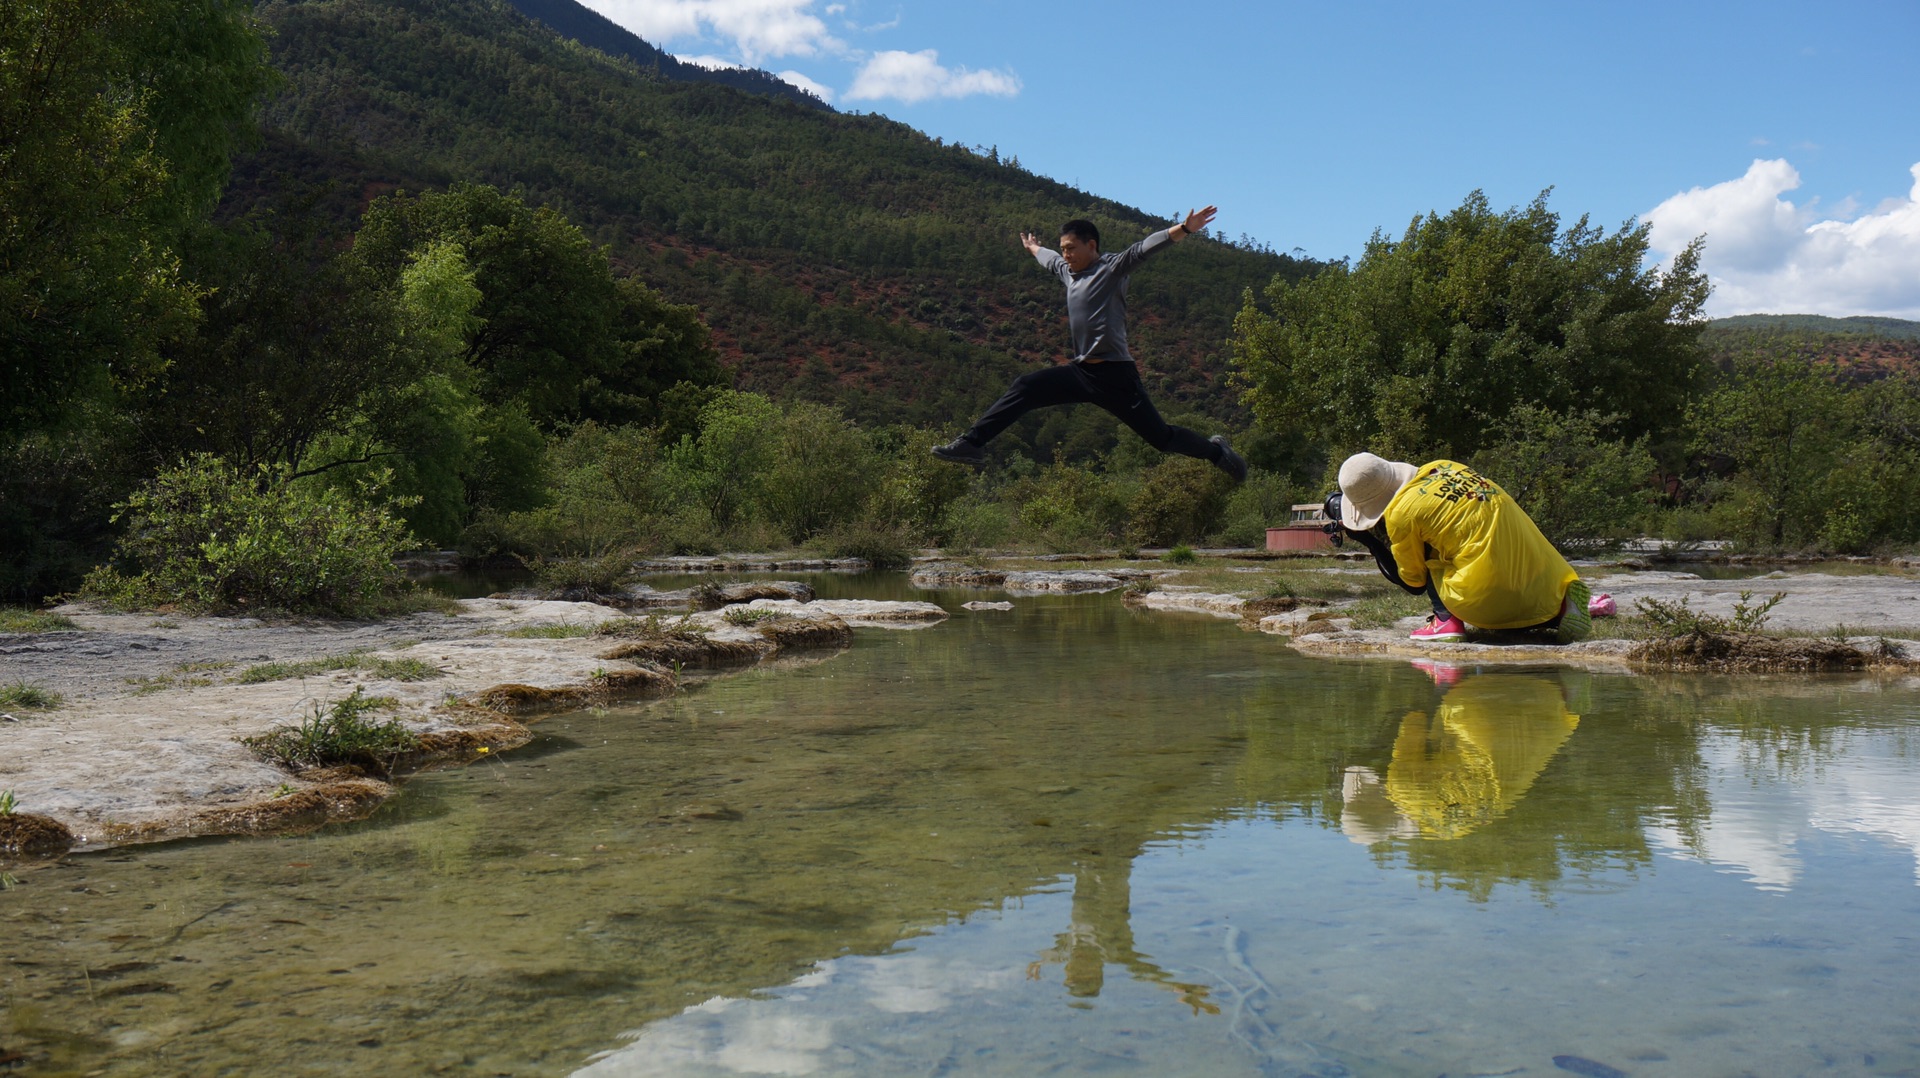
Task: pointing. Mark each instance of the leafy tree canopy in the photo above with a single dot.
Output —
(554, 329)
(1426, 345)
(117, 119)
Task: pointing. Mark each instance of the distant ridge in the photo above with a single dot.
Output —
(574, 20)
(1866, 325)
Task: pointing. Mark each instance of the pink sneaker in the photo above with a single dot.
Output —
(1437, 631)
(1602, 606)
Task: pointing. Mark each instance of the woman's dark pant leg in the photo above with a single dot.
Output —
(1064, 384)
(1122, 393)
(1433, 596)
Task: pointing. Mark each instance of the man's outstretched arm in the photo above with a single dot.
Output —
(1045, 256)
(1136, 254)
(1197, 221)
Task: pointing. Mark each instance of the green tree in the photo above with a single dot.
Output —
(553, 330)
(821, 472)
(117, 118)
(294, 343)
(722, 470)
(1776, 424)
(1582, 486)
(1426, 345)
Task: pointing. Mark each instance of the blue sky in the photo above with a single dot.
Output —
(1311, 125)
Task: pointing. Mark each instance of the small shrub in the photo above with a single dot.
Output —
(1180, 554)
(19, 619)
(1662, 620)
(1265, 500)
(1066, 508)
(25, 696)
(881, 545)
(7, 803)
(600, 575)
(341, 734)
(207, 537)
(748, 616)
(1178, 501)
(971, 523)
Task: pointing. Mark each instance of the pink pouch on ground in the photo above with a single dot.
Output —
(1601, 606)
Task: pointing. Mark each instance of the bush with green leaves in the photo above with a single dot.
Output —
(1582, 486)
(972, 523)
(1264, 501)
(884, 546)
(207, 537)
(1178, 500)
(1064, 507)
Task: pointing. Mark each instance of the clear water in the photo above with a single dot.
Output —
(1065, 839)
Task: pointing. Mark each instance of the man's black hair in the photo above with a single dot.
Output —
(1082, 229)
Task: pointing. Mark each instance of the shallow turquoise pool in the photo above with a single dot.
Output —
(1064, 839)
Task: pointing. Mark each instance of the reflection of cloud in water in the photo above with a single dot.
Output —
(1864, 786)
(793, 1033)
(727, 1034)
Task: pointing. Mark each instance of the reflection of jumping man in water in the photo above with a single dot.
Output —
(1102, 371)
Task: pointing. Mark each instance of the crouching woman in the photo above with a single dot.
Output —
(1454, 535)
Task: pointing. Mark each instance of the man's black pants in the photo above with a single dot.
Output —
(1113, 386)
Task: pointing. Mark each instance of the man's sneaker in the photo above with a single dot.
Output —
(1230, 462)
(1576, 623)
(961, 451)
(1436, 631)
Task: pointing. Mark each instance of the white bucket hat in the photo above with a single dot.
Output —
(1367, 484)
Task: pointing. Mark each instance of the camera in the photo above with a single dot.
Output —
(1333, 529)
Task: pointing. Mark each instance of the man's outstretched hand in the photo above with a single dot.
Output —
(1198, 219)
(1030, 241)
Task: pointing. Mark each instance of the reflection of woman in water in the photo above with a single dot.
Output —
(1463, 766)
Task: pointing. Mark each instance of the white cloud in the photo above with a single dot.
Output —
(1767, 254)
(916, 76)
(795, 78)
(757, 28)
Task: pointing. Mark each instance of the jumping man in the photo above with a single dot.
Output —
(1102, 371)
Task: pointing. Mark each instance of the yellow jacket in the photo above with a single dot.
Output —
(1492, 566)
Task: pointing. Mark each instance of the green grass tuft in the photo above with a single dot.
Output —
(565, 630)
(385, 669)
(651, 627)
(24, 696)
(751, 615)
(20, 619)
(340, 734)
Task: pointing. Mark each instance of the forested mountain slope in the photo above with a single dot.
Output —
(1858, 349)
(1866, 325)
(837, 257)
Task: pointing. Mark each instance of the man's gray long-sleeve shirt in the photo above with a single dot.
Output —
(1097, 297)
